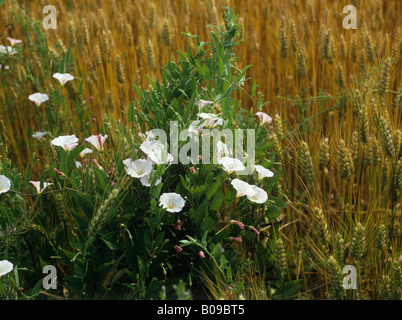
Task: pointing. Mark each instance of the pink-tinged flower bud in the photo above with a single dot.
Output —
(97, 164)
(136, 150)
(271, 128)
(59, 172)
(89, 99)
(202, 255)
(199, 157)
(84, 166)
(178, 249)
(178, 225)
(237, 239)
(254, 230)
(241, 225)
(90, 121)
(113, 183)
(192, 170)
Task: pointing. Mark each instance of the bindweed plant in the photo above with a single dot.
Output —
(126, 214)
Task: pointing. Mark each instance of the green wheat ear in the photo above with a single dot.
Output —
(306, 163)
(358, 243)
(101, 215)
(324, 153)
(335, 274)
(345, 161)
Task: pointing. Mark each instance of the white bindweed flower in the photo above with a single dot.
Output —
(172, 202)
(232, 164)
(5, 267)
(242, 188)
(97, 141)
(196, 127)
(149, 135)
(63, 77)
(263, 173)
(139, 168)
(222, 150)
(39, 135)
(86, 151)
(68, 143)
(211, 120)
(147, 181)
(264, 118)
(203, 103)
(148, 145)
(7, 50)
(36, 184)
(159, 155)
(5, 184)
(13, 42)
(259, 196)
(38, 98)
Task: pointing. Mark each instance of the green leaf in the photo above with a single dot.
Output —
(107, 239)
(217, 201)
(200, 70)
(159, 240)
(273, 212)
(147, 240)
(131, 112)
(277, 202)
(239, 289)
(214, 188)
(84, 202)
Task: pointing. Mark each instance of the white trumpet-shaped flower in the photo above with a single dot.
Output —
(63, 77)
(5, 267)
(263, 173)
(86, 151)
(138, 168)
(259, 195)
(39, 135)
(147, 181)
(13, 42)
(264, 118)
(38, 98)
(37, 186)
(172, 202)
(211, 120)
(196, 127)
(232, 164)
(5, 184)
(68, 143)
(203, 103)
(242, 188)
(148, 145)
(159, 155)
(7, 50)
(222, 150)
(97, 141)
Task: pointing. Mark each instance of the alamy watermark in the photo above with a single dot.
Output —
(350, 281)
(350, 21)
(49, 281)
(50, 21)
